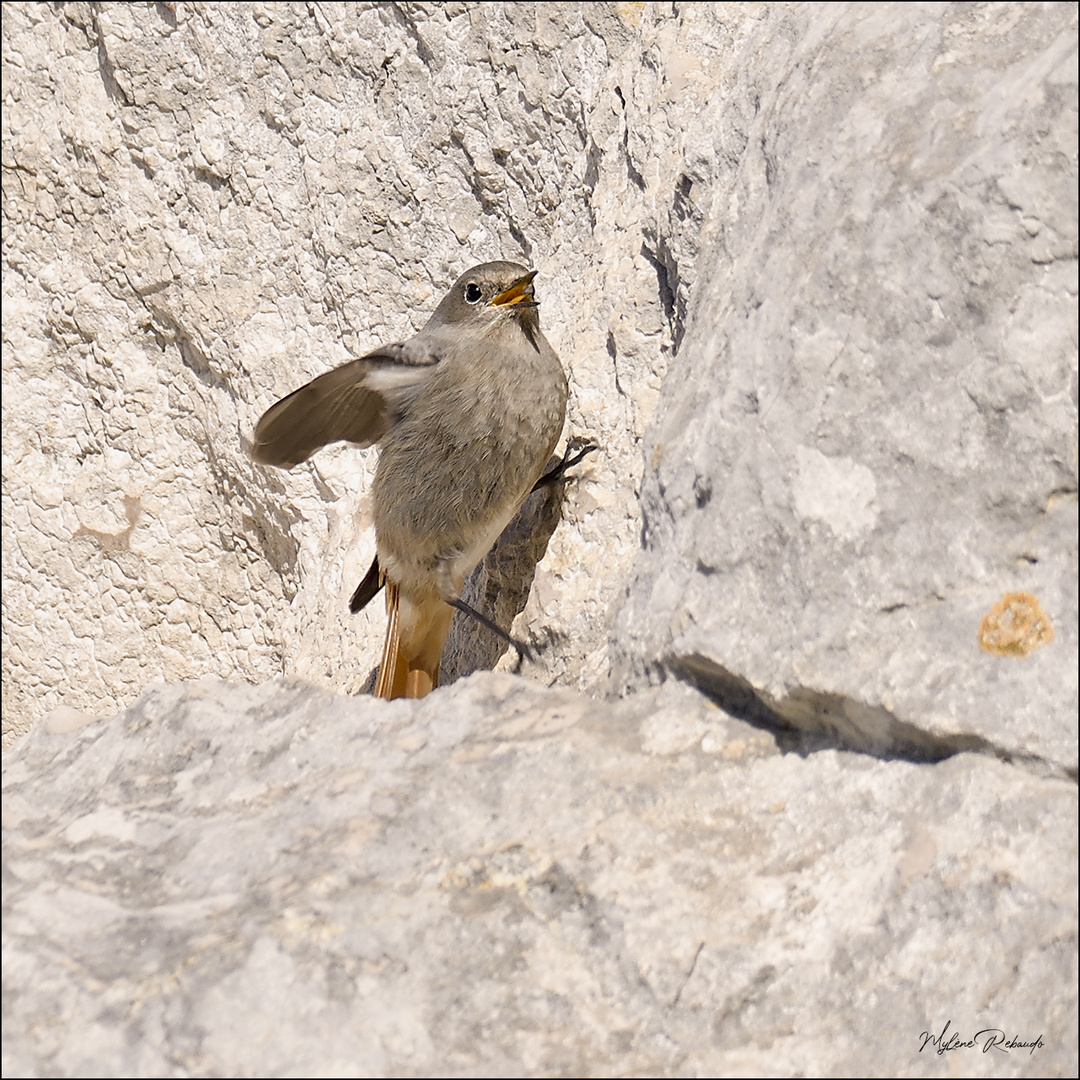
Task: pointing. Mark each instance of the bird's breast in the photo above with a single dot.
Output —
(460, 461)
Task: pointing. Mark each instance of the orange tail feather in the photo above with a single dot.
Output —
(413, 646)
(388, 686)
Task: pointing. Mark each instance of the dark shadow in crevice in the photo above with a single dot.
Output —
(807, 721)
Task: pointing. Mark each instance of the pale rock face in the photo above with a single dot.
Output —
(515, 880)
(247, 197)
(811, 271)
(868, 436)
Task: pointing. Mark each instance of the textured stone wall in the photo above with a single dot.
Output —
(205, 206)
(868, 438)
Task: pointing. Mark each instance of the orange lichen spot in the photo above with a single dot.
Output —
(1015, 626)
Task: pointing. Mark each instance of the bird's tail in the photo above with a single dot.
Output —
(415, 634)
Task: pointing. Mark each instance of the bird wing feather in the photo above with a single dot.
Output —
(358, 402)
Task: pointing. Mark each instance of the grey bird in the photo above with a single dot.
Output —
(465, 414)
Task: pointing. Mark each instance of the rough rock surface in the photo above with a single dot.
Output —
(205, 207)
(869, 435)
(812, 272)
(510, 880)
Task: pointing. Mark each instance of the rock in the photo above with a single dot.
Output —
(868, 437)
(208, 206)
(233, 880)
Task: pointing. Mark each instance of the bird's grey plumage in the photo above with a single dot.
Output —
(466, 414)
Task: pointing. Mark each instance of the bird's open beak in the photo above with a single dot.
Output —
(520, 292)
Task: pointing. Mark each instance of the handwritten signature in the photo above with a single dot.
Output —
(988, 1039)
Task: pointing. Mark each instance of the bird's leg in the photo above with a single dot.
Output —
(576, 449)
(523, 650)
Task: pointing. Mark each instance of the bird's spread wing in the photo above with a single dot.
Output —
(358, 402)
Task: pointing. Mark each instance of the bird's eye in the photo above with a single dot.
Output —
(473, 293)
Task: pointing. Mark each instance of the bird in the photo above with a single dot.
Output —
(465, 415)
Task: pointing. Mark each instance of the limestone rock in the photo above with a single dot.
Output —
(207, 206)
(230, 880)
(869, 435)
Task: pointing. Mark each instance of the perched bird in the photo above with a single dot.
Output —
(466, 415)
